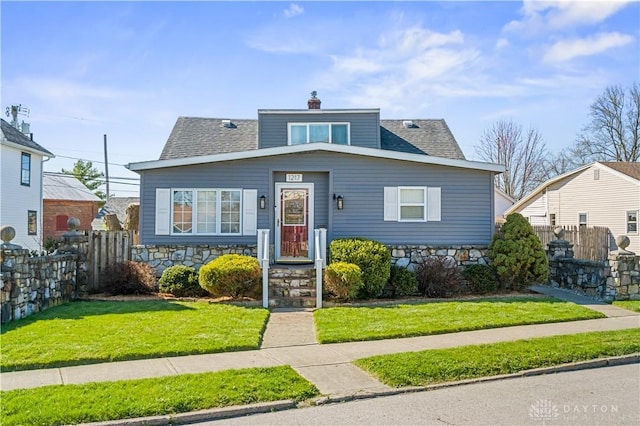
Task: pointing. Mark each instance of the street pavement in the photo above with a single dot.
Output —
(289, 339)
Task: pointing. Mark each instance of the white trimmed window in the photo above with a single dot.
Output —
(583, 219)
(632, 222)
(206, 211)
(302, 133)
(412, 204)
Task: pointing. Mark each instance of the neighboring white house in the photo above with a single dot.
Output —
(597, 194)
(501, 201)
(21, 185)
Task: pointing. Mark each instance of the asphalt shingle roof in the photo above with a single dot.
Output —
(14, 135)
(65, 187)
(628, 168)
(194, 136)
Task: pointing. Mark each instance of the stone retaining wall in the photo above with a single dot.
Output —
(618, 278)
(32, 284)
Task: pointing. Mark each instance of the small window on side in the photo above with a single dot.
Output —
(32, 222)
(632, 222)
(25, 169)
(552, 219)
(582, 219)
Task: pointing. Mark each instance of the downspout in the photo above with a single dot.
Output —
(41, 219)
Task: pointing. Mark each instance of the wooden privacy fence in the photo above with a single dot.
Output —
(589, 243)
(105, 249)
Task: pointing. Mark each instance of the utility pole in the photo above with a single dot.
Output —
(106, 167)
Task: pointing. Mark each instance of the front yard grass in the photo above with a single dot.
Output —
(91, 332)
(632, 305)
(467, 362)
(94, 402)
(347, 324)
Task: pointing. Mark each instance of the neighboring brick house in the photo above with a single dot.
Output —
(64, 196)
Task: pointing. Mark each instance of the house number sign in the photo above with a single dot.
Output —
(294, 177)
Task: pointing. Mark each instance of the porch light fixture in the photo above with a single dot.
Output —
(263, 202)
(339, 201)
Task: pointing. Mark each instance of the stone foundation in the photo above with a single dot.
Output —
(161, 257)
(409, 256)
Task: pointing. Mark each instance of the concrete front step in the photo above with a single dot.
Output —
(292, 302)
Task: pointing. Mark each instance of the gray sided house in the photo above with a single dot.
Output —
(400, 182)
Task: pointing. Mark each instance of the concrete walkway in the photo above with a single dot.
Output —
(289, 339)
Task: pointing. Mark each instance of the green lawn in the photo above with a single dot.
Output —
(346, 324)
(467, 362)
(632, 305)
(93, 402)
(91, 332)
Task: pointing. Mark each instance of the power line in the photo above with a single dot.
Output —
(92, 161)
(71, 175)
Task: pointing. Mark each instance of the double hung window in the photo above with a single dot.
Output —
(206, 211)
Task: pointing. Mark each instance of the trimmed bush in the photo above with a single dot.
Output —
(373, 259)
(480, 278)
(128, 278)
(438, 277)
(402, 282)
(231, 275)
(517, 255)
(343, 280)
(181, 281)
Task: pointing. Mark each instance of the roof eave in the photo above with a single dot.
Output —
(21, 147)
(282, 150)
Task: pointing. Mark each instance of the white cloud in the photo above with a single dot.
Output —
(541, 15)
(293, 10)
(566, 50)
(502, 43)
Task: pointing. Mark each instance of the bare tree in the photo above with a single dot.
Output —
(522, 153)
(614, 131)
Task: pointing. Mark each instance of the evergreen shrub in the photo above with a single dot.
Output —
(231, 275)
(373, 259)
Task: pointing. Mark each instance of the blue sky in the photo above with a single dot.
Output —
(129, 69)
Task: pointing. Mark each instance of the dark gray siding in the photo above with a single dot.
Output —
(365, 127)
(467, 216)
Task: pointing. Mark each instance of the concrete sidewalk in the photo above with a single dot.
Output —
(289, 339)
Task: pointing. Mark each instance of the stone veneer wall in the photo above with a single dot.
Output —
(624, 277)
(161, 257)
(618, 278)
(409, 256)
(32, 284)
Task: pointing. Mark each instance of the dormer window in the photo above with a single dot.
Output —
(301, 133)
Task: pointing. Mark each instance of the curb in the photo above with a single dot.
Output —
(260, 408)
(202, 415)
(574, 366)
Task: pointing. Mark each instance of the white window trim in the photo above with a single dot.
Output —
(330, 124)
(423, 204)
(586, 215)
(626, 214)
(432, 204)
(194, 212)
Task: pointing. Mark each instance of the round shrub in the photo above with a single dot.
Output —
(372, 257)
(343, 280)
(232, 275)
(128, 278)
(517, 255)
(181, 281)
(402, 282)
(480, 278)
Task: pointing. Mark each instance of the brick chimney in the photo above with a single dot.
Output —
(314, 102)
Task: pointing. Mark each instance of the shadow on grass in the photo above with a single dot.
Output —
(392, 304)
(82, 309)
